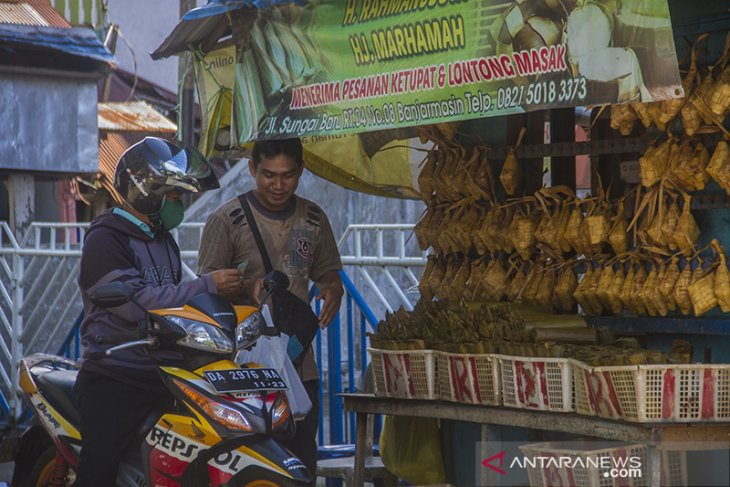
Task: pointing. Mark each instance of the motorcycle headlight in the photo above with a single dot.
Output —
(202, 336)
(249, 330)
(280, 412)
(223, 414)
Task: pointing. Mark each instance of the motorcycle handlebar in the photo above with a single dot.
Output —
(147, 342)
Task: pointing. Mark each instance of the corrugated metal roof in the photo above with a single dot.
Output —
(111, 148)
(31, 12)
(134, 116)
(20, 13)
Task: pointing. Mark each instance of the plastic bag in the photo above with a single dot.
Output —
(270, 351)
(411, 449)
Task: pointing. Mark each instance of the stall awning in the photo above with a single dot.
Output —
(205, 25)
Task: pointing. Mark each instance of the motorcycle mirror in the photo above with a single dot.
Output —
(276, 280)
(112, 295)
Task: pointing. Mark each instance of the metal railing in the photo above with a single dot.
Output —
(39, 299)
(86, 12)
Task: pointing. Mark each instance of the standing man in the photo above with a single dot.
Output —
(132, 244)
(298, 238)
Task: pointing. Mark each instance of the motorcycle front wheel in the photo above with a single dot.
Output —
(43, 470)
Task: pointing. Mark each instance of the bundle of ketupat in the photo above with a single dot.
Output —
(450, 327)
(622, 352)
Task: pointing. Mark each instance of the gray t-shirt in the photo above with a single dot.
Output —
(299, 241)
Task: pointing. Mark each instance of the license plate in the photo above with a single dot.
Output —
(241, 380)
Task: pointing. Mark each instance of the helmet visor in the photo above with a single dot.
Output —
(189, 171)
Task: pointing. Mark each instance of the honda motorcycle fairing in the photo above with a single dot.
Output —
(226, 427)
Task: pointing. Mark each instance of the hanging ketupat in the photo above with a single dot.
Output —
(722, 278)
(719, 167)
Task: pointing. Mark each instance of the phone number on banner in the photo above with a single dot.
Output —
(542, 92)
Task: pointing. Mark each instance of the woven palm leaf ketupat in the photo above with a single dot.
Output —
(668, 282)
(574, 226)
(618, 234)
(627, 288)
(722, 278)
(718, 97)
(687, 232)
(615, 290)
(623, 118)
(511, 174)
(425, 177)
(423, 285)
(642, 113)
(580, 292)
(604, 285)
(653, 164)
(646, 292)
(670, 220)
(681, 291)
(458, 285)
(591, 293)
(691, 117)
(516, 284)
(702, 290)
(546, 293)
(655, 112)
(472, 291)
(719, 166)
(637, 306)
(654, 295)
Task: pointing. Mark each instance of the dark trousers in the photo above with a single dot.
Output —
(111, 412)
(304, 443)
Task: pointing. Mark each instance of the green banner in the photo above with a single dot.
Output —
(334, 67)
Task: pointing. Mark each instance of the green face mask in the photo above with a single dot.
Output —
(171, 214)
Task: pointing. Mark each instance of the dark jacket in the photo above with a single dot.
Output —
(116, 249)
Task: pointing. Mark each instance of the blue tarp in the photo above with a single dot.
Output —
(79, 41)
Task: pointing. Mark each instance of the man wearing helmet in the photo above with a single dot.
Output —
(299, 241)
(132, 244)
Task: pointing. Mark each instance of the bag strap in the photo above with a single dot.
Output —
(256, 234)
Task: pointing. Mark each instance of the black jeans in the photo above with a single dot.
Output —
(304, 443)
(111, 411)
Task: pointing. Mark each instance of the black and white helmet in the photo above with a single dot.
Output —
(154, 167)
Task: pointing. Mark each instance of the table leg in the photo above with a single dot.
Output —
(360, 446)
(655, 466)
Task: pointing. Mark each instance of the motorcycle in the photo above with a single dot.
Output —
(228, 423)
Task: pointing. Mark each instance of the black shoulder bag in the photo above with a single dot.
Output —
(291, 314)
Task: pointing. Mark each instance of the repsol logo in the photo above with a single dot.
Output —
(172, 444)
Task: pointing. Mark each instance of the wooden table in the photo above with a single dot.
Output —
(693, 435)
